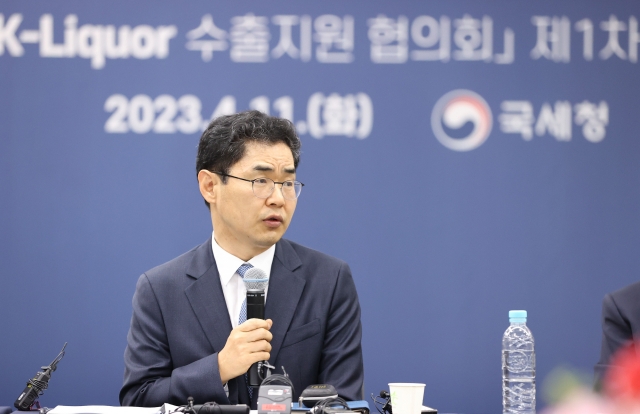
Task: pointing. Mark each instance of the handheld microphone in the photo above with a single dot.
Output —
(36, 386)
(256, 281)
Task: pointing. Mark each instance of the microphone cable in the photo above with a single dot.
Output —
(282, 378)
(324, 406)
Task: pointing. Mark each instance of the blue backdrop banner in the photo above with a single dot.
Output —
(464, 157)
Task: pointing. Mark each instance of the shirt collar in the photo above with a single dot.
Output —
(228, 264)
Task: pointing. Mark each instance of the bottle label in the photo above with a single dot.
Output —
(517, 361)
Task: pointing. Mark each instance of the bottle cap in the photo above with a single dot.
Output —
(518, 316)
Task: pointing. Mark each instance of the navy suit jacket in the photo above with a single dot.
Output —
(180, 322)
(620, 323)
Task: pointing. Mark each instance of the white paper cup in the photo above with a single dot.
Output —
(406, 398)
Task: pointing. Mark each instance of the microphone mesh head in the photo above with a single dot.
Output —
(255, 279)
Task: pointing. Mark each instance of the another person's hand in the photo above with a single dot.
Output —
(247, 343)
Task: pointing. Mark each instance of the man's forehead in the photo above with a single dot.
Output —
(264, 157)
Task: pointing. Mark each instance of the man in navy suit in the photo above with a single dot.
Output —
(620, 324)
(189, 335)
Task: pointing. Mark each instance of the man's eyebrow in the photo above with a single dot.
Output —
(269, 168)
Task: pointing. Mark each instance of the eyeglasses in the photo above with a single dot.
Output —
(263, 187)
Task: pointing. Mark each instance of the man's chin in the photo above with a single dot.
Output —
(270, 238)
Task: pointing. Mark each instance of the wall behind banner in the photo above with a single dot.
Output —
(464, 157)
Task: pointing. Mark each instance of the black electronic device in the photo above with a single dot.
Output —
(36, 386)
(208, 408)
(316, 393)
(275, 394)
(332, 405)
(256, 281)
(215, 408)
(332, 410)
(274, 399)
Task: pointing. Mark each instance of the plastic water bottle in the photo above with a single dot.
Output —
(518, 366)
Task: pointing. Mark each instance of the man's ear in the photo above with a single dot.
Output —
(207, 182)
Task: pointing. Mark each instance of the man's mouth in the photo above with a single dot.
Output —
(273, 221)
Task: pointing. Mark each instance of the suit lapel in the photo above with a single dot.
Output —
(285, 289)
(206, 297)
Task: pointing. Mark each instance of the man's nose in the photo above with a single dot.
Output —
(277, 197)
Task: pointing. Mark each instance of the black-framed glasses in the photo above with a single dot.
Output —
(263, 186)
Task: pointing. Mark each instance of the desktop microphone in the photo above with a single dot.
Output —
(256, 281)
(36, 386)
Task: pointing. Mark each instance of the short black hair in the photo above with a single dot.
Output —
(222, 144)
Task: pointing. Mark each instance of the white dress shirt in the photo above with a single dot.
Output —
(233, 287)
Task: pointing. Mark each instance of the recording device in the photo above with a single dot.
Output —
(316, 393)
(275, 394)
(256, 281)
(274, 399)
(36, 386)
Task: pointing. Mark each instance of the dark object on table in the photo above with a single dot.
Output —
(274, 399)
(275, 394)
(215, 408)
(383, 404)
(315, 393)
(332, 405)
(207, 408)
(359, 406)
(36, 386)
